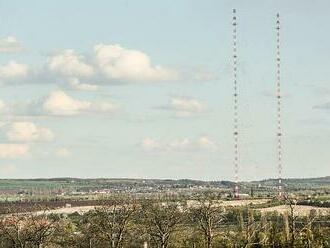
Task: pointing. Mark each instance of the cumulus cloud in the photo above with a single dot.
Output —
(28, 132)
(10, 45)
(69, 63)
(118, 63)
(59, 103)
(106, 64)
(202, 143)
(179, 145)
(206, 143)
(13, 70)
(13, 151)
(184, 106)
(149, 144)
(77, 85)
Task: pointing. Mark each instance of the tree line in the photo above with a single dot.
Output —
(166, 223)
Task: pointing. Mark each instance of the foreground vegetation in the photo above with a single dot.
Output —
(166, 223)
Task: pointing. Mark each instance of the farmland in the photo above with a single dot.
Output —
(33, 194)
(77, 212)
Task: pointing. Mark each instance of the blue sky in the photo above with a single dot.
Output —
(143, 89)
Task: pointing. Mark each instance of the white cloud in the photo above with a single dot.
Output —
(77, 85)
(28, 132)
(149, 144)
(72, 67)
(69, 63)
(107, 63)
(202, 143)
(185, 106)
(62, 152)
(13, 151)
(179, 145)
(10, 45)
(13, 70)
(206, 143)
(59, 103)
(119, 63)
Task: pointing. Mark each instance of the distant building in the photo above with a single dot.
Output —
(243, 196)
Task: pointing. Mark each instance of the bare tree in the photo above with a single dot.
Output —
(27, 230)
(207, 214)
(161, 221)
(292, 219)
(110, 223)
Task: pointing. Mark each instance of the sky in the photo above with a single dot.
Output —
(144, 89)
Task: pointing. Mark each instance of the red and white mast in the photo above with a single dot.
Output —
(279, 106)
(235, 129)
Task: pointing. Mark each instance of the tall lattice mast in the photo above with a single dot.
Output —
(279, 114)
(236, 158)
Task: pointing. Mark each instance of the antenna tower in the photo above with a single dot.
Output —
(279, 107)
(236, 158)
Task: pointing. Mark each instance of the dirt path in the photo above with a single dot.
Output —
(299, 210)
(67, 210)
